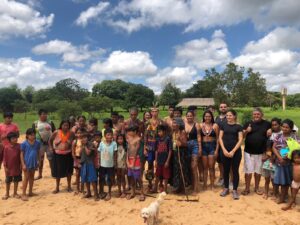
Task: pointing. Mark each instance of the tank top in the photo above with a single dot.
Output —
(192, 135)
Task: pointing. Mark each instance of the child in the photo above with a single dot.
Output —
(121, 164)
(133, 161)
(268, 167)
(88, 171)
(96, 142)
(29, 158)
(296, 179)
(283, 173)
(163, 151)
(108, 157)
(12, 164)
(76, 153)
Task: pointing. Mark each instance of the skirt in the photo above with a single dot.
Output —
(88, 173)
(283, 175)
(62, 165)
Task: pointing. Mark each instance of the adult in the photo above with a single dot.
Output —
(169, 119)
(255, 133)
(134, 121)
(60, 143)
(192, 130)
(6, 127)
(231, 138)
(146, 117)
(192, 108)
(209, 135)
(80, 124)
(180, 156)
(150, 137)
(43, 128)
(221, 118)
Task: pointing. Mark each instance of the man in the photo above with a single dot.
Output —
(169, 119)
(133, 120)
(256, 136)
(220, 119)
(44, 129)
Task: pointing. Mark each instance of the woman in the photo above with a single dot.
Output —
(210, 146)
(283, 169)
(146, 117)
(80, 123)
(231, 138)
(192, 130)
(180, 156)
(60, 144)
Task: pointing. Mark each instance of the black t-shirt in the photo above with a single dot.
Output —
(231, 135)
(256, 140)
(220, 120)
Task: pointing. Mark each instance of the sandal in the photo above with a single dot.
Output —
(224, 192)
(245, 192)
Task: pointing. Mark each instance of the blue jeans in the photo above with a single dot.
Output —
(208, 148)
(193, 147)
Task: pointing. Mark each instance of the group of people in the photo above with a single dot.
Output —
(178, 151)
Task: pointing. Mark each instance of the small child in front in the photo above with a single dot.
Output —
(12, 164)
(29, 158)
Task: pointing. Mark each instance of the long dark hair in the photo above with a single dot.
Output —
(64, 121)
(211, 114)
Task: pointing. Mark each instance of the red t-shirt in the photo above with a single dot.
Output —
(5, 129)
(12, 160)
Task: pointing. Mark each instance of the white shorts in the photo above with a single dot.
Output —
(253, 163)
(295, 185)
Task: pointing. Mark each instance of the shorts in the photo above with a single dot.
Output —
(253, 163)
(295, 185)
(208, 148)
(10, 179)
(135, 173)
(163, 172)
(151, 156)
(193, 147)
(267, 173)
(106, 173)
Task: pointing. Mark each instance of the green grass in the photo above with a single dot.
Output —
(25, 122)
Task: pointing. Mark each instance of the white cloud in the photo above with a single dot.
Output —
(70, 53)
(202, 53)
(122, 64)
(19, 19)
(276, 56)
(91, 13)
(133, 15)
(25, 71)
(182, 77)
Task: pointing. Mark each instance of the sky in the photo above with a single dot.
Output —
(148, 42)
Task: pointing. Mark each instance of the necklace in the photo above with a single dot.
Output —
(207, 131)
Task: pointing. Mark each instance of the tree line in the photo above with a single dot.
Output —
(234, 85)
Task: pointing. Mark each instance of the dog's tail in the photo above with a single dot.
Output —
(161, 197)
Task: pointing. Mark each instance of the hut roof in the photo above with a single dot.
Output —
(196, 101)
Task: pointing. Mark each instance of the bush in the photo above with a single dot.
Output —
(67, 109)
(247, 116)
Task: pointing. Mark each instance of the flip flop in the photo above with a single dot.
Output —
(245, 192)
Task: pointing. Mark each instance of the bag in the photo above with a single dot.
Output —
(292, 145)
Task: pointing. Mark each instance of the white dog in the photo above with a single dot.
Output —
(150, 214)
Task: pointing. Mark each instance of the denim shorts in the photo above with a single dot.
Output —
(208, 148)
(193, 147)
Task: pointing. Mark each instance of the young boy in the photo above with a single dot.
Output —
(108, 157)
(134, 161)
(296, 179)
(12, 164)
(163, 151)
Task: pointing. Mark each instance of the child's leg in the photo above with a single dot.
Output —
(156, 184)
(292, 200)
(41, 164)
(94, 185)
(142, 197)
(88, 189)
(7, 188)
(24, 186)
(165, 181)
(77, 174)
(57, 186)
(69, 178)
(267, 184)
(123, 183)
(132, 187)
(119, 177)
(283, 194)
(31, 180)
(16, 184)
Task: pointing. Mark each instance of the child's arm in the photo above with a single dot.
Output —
(87, 150)
(136, 151)
(22, 161)
(73, 149)
(169, 153)
(115, 159)
(280, 159)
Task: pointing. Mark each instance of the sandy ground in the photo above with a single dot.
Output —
(65, 208)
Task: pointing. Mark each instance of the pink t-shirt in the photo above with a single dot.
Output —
(5, 129)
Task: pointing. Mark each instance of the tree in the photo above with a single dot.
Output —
(170, 95)
(95, 104)
(114, 89)
(28, 93)
(139, 96)
(46, 94)
(51, 105)
(67, 109)
(21, 106)
(8, 96)
(70, 90)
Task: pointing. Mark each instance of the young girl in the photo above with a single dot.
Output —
(134, 162)
(76, 153)
(283, 171)
(268, 167)
(29, 159)
(296, 179)
(108, 157)
(121, 165)
(12, 164)
(88, 171)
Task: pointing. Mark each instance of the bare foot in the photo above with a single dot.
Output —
(108, 197)
(265, 196)
(55, 191)
(5, 197)
(32, 194)
(87, 196)
(96, 198)
(24, 198)
(70, 189)
(16, 196)
(280, 201)
(130, 196)
(142, 198)
(38, 178)
(289, 206)
(123, 195)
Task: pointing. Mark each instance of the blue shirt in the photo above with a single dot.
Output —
(107, 154)
(31, 153)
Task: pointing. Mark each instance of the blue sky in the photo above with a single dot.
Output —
(148, 42)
